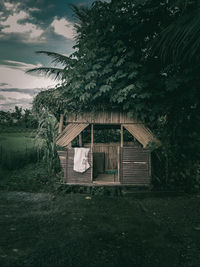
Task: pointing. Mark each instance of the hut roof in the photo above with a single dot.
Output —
(78, 122)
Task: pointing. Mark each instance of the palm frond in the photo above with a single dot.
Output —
(57, 58)
(180, 41)
(55, 73)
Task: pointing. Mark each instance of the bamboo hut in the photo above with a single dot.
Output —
(118, 163)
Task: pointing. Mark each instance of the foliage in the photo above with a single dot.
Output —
(118, 64)
(51, 99)
(20, 118)
(33, 177)
(47, 132)
(179, 41)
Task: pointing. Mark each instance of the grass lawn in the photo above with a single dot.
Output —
(51, 230)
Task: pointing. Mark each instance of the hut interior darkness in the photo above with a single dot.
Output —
(111, 163)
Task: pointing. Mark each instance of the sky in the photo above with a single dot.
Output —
(27, 26)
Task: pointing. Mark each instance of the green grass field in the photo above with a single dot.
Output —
(19, 141)
(17, 148)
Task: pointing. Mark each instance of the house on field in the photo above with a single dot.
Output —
(116, 163)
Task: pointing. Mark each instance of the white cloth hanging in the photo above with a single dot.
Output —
(81, 163)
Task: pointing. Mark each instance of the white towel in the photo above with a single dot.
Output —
(81, 159)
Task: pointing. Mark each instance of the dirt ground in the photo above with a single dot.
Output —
(43, 229)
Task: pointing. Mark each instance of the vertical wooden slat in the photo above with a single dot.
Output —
(149, 165)
(92, 144)
(118, 162)
(91, 165)
(66, 168)
(92, 135)
(122, 136)
(60, 124)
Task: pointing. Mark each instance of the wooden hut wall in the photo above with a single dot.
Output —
(135, 167)
(73, 177)
(111, 153)
(63, 162)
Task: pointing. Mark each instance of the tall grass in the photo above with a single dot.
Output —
(11, 160)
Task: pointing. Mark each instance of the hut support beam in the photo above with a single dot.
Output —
(122, 136)
(92, 144)
(92, 135)
(80, 140)
(60, 124)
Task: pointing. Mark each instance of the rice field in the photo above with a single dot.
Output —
(17, 149)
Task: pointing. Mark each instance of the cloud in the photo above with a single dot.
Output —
(15, 95)
(2, 97)
(18, 87)
(15, 76)
(63, 27)
(34, 9)
(19, 65)
(15, 24)
(8, 100)
(4, 84)
(25, 91)
(11, 6)
(10, 104)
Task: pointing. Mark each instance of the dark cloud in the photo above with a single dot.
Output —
(42, 11)
(24, 91)
(2, 97)
(3, 84)
(16, 46)
(11, 64)
(25, 52)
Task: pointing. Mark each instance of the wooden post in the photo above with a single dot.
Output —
(122, 137)
(69, 145)
(92, 144)
(80, 140)
(118, 163)
(92, 135)
(60, 124)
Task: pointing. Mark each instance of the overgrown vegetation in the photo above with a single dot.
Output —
(125, 59)
(33, 177)
(47, 132)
